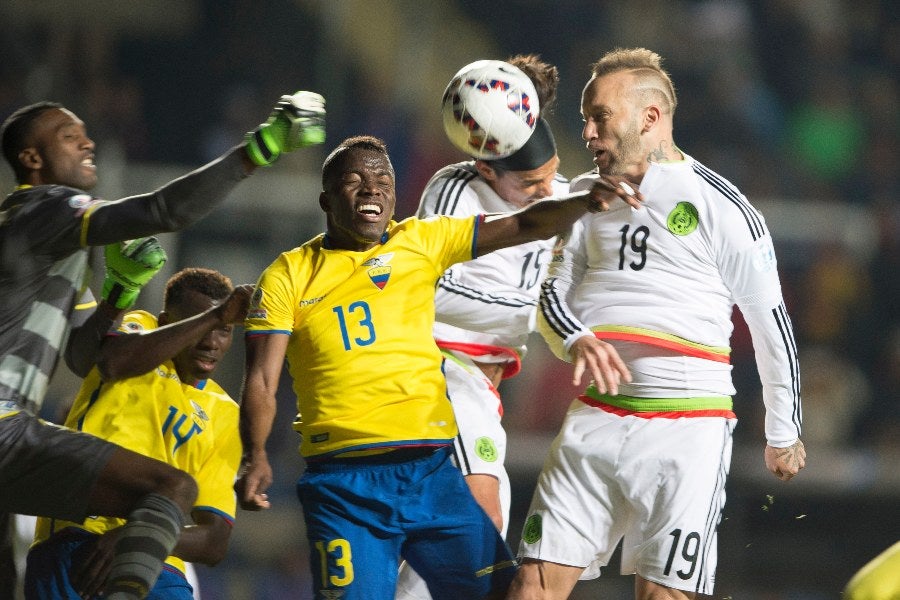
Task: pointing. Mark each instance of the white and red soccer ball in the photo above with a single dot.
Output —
(489, 109)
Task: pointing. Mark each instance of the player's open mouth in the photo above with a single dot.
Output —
(370, 211)
(88, 162)
(206, 363)
(600, 156)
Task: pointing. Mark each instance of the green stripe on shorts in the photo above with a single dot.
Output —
(660, 404)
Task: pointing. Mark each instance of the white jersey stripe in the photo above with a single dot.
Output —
(750, 214)
(448, 283)
(562, 323)
(714, 516)
(787, 335)
(448, 199)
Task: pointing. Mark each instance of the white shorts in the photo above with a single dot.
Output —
(659, 483)
(480, 446)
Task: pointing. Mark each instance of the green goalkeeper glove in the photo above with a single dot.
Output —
(129, 266)
(297, 121)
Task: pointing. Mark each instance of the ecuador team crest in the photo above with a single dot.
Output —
(379, 269)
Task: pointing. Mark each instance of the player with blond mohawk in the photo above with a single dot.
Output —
(657, 286)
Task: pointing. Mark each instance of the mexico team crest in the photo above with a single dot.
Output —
(486, 449)
(683, 219)
(532, 530)
(380, 270)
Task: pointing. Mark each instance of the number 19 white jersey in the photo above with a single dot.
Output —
(667, 276)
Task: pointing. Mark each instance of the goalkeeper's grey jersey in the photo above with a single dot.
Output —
(491, 300)
(44, 274)
(660, 283)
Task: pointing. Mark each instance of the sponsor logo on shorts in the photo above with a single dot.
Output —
(486, 449)
(532, 530)
(319, 437)
(683, 219)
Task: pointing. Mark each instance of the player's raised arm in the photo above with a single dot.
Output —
(297, 121)
(552, 216)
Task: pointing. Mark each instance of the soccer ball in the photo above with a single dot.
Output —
(489, 109)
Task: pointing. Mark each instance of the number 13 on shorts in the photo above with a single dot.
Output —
(336, 554)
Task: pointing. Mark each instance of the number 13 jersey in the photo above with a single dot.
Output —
(365, 368)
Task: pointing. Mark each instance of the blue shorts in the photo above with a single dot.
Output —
(50, 564)
(363, 515)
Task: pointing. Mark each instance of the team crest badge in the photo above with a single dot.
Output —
(485, 449)
(198, 410)
(532, 530)
(764, 255)
(80, 201)
(683, 219)
(199, 418)
(379, 269)
(256, 311)
(256, 298)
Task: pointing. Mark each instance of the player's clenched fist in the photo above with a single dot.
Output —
(296, 121)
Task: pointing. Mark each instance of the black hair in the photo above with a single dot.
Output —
(15, 131)
(361, 142)
(208, 282)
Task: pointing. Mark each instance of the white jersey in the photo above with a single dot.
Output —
(491, 301)
(667, 277)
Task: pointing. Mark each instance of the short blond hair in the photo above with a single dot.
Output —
(653, 82)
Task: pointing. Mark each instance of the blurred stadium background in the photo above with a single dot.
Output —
(795, 101)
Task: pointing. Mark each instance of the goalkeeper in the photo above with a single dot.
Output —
(47, 226)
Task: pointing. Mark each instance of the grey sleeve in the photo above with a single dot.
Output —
(172, 207)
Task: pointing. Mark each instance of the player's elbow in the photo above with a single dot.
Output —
(214, 552)
(111, 368)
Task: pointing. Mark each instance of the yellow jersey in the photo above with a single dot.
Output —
(365, 368)
(155, 414)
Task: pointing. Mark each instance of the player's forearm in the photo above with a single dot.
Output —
(172, 207)
(84, 347)
(205, 544)
(132, 354)
(191, 197)
(540, 221)
(469, 307)
(779, 372)
(257, 416)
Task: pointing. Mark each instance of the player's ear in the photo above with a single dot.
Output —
(31, 158)
(651, 117)
(323, 202)
(485, 170)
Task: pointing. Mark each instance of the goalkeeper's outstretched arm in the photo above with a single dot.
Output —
(296, 121)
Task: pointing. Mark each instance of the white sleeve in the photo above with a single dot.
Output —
(449, 193)
(471, 308)
(475, 295)
(749, 269)
(556, 321)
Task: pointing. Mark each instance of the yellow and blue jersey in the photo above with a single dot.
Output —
(366, 371)
(192, 428)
